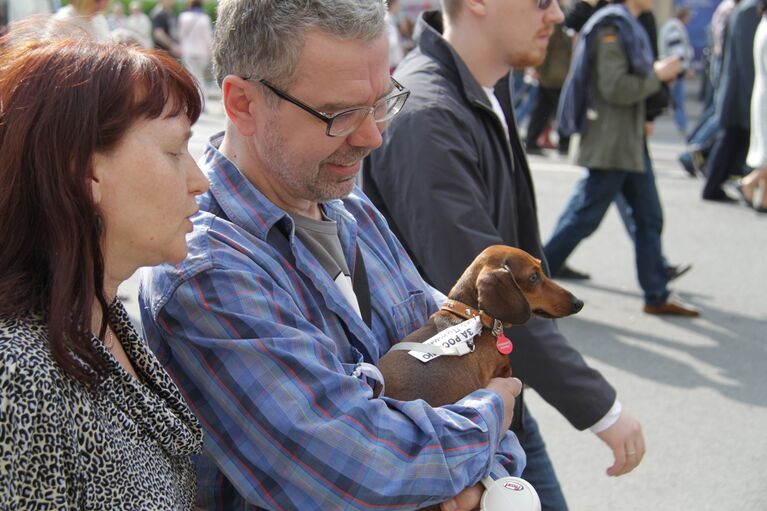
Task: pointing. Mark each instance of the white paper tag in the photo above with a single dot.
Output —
(451, 337)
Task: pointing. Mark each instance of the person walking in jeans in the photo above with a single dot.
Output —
(551, 76)
(614, 67)
(674, 40)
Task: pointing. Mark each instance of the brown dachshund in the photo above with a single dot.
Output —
(504, 286)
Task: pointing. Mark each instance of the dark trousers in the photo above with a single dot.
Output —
(727, 157)
(545, 110)
(539, 471)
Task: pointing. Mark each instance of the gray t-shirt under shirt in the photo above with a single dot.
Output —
(321, 238)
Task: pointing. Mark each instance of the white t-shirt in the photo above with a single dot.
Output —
(497, 108)
(194, 32)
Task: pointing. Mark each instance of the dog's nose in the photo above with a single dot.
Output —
(577, 305)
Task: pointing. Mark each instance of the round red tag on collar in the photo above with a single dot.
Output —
(504, 344)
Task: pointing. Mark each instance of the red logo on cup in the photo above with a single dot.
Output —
(513, 486)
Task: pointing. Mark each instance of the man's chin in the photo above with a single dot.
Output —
(341, 190)
(533, 59)
(346, 187)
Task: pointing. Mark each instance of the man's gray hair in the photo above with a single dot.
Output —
(264, 38)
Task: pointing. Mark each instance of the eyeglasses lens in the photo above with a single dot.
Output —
(350, 121)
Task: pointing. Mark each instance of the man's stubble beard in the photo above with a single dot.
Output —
(309, 183)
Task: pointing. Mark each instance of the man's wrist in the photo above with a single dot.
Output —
(610, 418)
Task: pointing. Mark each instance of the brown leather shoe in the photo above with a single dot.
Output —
(673, 306)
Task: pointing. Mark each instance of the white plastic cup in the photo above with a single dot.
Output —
(509, 494)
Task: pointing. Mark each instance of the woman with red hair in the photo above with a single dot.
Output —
(95, 182)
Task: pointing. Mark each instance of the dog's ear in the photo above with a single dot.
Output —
(500, 296)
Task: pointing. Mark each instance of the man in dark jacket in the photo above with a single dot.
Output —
(452, 178)
(728, 155)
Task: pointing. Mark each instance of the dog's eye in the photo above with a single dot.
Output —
(534, 277)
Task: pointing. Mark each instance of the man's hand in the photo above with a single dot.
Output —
(467, 500)
(627, 442)
(649, 128)
(508, 389)
(668, 69)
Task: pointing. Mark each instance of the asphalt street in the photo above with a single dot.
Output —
(697, 385)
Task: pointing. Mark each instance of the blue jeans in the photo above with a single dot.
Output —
(523, 96)
(627, 214)
(703, 134)
(539, 471)
(517, 86)
(678, 95)
(702, 137)
(528, 103)
(586, 208)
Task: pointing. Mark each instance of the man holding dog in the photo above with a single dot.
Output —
(294, 286)
(453, 160)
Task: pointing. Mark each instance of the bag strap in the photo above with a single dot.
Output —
(361, 286)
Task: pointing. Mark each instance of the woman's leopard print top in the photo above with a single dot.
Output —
(125, 445)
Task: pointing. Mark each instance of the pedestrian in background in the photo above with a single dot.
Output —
(116, 18)
(673, 39)
(753, 187)
(655, 105)
(195, 36)
(551, 76)
(97, 181)
(613, 73)
(396, 50)
(165, 28)
(86, 15)
(139, 23)
(736, 83)
(703, 136)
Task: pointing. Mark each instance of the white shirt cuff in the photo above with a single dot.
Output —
(609, 419)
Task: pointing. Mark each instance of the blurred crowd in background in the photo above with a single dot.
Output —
(182, 28)
(697, 33)
(717, 144)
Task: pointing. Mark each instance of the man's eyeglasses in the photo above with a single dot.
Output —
(347, 121)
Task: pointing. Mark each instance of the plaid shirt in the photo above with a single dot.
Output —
(249, 325)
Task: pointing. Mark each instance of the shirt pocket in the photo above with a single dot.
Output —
(410, 314)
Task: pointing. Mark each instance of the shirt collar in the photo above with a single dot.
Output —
(244, 204)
